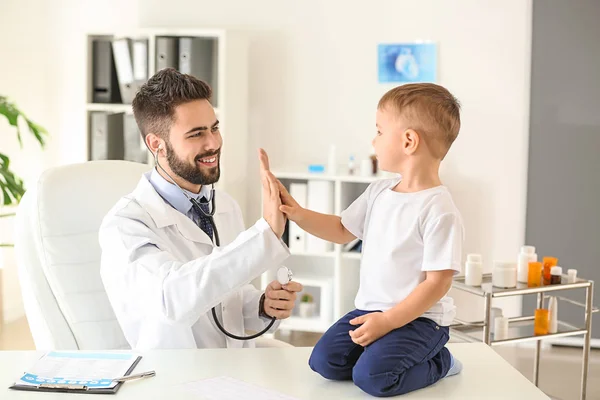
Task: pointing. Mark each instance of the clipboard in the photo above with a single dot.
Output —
(75, 388)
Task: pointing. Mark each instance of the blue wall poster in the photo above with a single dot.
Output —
(407, 62)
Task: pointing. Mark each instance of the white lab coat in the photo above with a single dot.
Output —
(162, 275)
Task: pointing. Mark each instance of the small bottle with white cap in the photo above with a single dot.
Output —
(501, 328)
(556, 275)
(526, 256)
(473, 270)
(504, 274)
(572, 273)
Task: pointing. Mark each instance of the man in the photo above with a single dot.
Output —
(162, 271)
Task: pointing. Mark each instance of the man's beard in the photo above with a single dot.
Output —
(194, 173)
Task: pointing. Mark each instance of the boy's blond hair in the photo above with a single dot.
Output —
(430, 109)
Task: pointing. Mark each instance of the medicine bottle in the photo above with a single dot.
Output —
(555, 275)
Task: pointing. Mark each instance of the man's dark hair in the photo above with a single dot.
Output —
(154, 104)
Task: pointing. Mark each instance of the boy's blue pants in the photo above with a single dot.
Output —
(406, 359)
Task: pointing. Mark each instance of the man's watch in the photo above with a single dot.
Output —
(261, 308)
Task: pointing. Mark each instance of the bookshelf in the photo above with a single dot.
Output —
(229, 79)
(337, 271)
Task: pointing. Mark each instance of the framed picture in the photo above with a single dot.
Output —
(407, 62)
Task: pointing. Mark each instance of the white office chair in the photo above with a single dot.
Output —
(58, 255)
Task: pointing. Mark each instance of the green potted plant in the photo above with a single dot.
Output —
(307, 306)
(11, 186)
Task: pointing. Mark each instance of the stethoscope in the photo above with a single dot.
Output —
(284, 274)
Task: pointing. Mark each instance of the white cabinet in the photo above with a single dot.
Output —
(336, 271)
(228, 61)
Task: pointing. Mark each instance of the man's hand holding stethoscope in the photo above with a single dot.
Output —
(280, 295)
(280, 299)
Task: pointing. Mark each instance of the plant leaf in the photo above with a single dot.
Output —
(12, 114)
(34, 128)
(38, 131)
(6, 201)
(11, 186)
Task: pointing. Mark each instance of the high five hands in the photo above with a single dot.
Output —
(279, 300)
(271, 196)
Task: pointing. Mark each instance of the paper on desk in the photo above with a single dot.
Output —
(95, 370)
(226, 388)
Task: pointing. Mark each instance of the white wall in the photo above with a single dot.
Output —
(43, 70)
(24, 78)
(313, 81)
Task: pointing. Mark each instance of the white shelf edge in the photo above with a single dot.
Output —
(282, 174)
(574, 342)
(218, 33)
(114, 107)
(328, 254)
(159, 31)
(314, 324)
(311, 280)
(314, 280)
(109, 107)
(352, 255)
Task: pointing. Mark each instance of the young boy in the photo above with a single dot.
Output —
(412, 233)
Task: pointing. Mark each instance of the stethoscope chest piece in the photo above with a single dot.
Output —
(284, 275)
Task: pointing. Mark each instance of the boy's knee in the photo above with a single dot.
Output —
(369, 378)
(319, 362)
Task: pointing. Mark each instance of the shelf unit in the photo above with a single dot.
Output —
(352, 255)
(314, 324)
(230, 99)
(325, 254)
(521, 328)
(339, 267)
(110, 108)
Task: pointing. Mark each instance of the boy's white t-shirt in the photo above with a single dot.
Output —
(404, 235)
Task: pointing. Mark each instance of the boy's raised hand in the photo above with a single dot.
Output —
(271, 196)
(290, 206)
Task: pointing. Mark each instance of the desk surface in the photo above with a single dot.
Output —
(485, 375)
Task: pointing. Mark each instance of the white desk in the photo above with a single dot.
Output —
(485, 375)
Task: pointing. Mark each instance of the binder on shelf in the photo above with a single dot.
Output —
(355, 246)
(167, 52)
(198, 56)
(106, 136)
(297, 237)
(140, 62)
(135, 149)
(122, 49)
(105, 85)
(320, 199)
